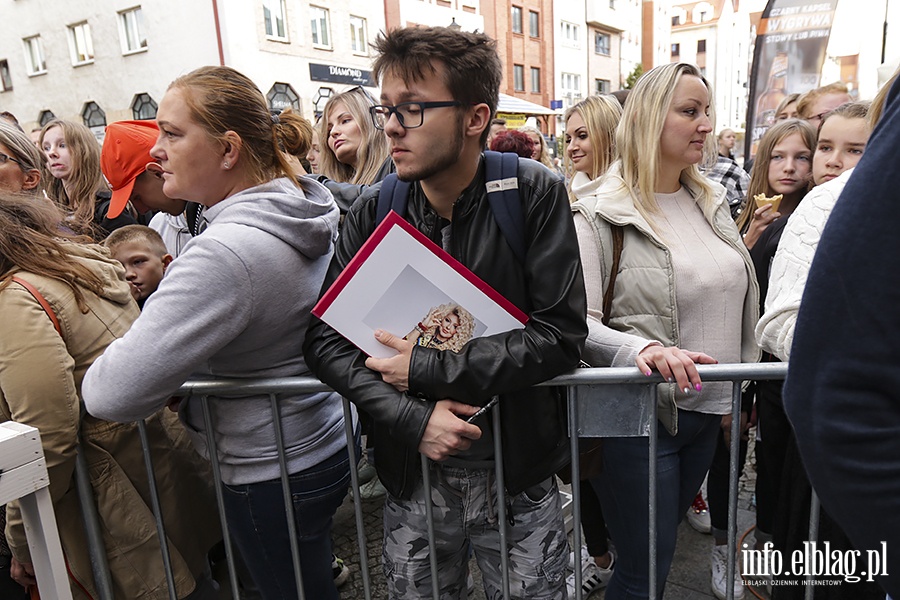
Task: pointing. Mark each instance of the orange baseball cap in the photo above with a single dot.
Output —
(125, 155)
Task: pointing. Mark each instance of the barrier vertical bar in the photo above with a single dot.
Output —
(287, 495)
(501, 500)
(651, 489)
(99, 562)
(733, 468)
(220, 499)
(572, 410)
(157, 511)
(357, 501)
(429, 518)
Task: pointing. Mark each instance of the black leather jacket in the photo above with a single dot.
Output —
(549, 288)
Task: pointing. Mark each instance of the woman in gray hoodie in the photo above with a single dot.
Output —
(236, 304)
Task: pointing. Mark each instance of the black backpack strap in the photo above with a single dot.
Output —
(501, 181)
(392, 196)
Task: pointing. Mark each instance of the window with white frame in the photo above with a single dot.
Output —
(275, 18)
(81, 47)
(517, 19)
(320, 27)
(602, 86)
(5, 78)
(570, 83)
(535, 80)
(519, 78)
(602, 43)
(131, 30)
(34, 55)
(569, 34)
(358, 35)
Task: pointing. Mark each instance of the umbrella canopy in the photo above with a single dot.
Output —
(511, 104)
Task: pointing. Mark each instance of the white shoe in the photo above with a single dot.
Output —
(593, 577)
(719, 565)
(698, 515)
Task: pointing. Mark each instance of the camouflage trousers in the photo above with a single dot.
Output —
(465, 515)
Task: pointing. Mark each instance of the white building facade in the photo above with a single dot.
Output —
(614, 36)
(711, 35)
(570, 52)
(101, 61)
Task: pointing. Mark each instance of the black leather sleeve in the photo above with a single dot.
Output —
(341, 365)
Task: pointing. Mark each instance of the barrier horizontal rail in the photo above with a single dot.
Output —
(593, 375)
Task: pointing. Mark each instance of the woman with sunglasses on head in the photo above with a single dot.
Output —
(236, 303)
(352, 154)
(353, 150)
(680, 292)
(74, 179)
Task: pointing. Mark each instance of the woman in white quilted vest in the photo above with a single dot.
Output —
(681, 292)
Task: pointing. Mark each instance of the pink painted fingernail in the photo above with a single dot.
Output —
(698, 386)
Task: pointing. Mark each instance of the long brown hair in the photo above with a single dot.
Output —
(759, 179)
(31, 241)
(85, 177)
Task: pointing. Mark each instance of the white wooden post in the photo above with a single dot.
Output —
(23, 476)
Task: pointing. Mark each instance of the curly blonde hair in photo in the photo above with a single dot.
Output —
(464, 331)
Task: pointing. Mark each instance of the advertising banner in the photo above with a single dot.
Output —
(790, 49)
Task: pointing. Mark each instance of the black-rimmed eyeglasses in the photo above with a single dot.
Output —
(409, 114)
(6, 157)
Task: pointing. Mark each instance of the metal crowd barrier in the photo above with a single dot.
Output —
(602, 402)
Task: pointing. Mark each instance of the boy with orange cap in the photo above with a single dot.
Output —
(135, 177)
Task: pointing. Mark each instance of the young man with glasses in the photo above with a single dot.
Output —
(439, 92)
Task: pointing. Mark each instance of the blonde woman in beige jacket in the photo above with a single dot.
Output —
(684, 294)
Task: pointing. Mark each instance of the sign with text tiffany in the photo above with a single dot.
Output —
(403, 283)
(790, 49)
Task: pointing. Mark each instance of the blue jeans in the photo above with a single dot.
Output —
(681, 464)
(256, 521)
